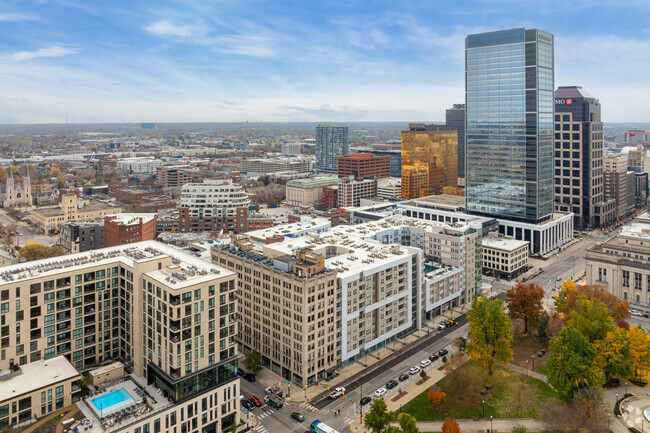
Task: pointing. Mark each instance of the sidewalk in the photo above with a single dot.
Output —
(497, 425)
(527, 372)
(359, 367)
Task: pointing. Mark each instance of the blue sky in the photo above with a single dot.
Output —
(239, 60)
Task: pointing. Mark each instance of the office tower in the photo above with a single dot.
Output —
(579, 152)
(395, 160)
(429, 160)
(615, 177)
(509, 102)
(455, 119)
(332, 141)
(351, 191)
(364, 166)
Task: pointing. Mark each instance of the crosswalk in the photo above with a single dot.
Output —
(349, 420)
(261, 429)
(265, 414)
(307, 406)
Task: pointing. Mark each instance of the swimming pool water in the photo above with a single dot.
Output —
(112, 401)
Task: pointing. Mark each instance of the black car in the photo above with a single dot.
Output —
(365, 400)
(391, 384)
(433, 357)
(443, 352)
(240, 372)
(297, 416)
(403, 377)
(247, 404)
(249, 377)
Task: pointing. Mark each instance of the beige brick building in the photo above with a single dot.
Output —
(169, 316)
(48, 219)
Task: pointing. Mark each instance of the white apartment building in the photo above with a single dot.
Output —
(262, 166)
(213, 194)
(139, 165)
(622, 264)
(389, 188)
(352, 191)
(504, 257)
(290, 148)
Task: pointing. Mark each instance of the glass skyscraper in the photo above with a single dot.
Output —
(332, 141)
(509, 87)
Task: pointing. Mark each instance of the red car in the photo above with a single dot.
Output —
(256, 401)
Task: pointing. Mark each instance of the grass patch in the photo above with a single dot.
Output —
(513, 395)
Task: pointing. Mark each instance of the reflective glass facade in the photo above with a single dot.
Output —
(509, 137)
(429, 160)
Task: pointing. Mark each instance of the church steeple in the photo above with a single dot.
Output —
(11, 173)
(26, 171)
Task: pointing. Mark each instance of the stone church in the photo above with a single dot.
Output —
(14, 194)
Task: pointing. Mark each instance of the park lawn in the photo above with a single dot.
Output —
(513, 396)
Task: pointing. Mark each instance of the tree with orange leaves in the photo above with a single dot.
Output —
(435, 396)
(525, 302)
(619, 310)
(450, 426)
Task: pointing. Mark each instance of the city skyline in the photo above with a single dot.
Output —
(190, 61)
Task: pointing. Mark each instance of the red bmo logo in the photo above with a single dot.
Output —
(569, 101)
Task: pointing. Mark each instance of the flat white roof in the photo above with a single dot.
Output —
(504, 244)
(132, 218)
(314, 223)
(106, 368)
(194, 269)
(636, 230)
(37, 375)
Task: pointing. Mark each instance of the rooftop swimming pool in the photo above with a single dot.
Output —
(112, 401)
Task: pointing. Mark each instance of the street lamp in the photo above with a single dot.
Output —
(490, 423)
(533, 356)
(483, 409)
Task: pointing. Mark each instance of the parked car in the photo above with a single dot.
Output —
(635, 313)
(256, 401)
(249, 377)
(443, 352)
(240, 372)
(297, 416)
(414, 370)
(425, 363)
(403, 377)
(380, 392)
(247, 404)
(442, 326)
(391, 384)
(433, 357)
(365, 400)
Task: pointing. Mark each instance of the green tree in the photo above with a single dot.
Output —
(525, 302)
(561, 299)
(591, 318)
(542, 328)
(461, 344)
(378, 417)
(408, 424)
(253, 361)
(571, 363)
(491, 333)
(613, 353)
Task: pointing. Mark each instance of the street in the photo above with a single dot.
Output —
(266, 419)
(25, 233)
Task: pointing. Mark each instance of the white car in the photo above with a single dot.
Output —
(414, 370)
(425, 363)
(380, 392)
(338, 392)
(635, 313)
(340, 389)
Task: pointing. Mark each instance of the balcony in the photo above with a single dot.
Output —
(175, 300)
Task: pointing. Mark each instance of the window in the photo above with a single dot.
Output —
(637, 281)
(626, 278)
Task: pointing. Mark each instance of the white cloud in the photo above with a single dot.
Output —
(167, 28)
(42, 52)
(11, 17)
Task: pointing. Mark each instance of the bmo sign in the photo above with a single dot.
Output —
(567, 101)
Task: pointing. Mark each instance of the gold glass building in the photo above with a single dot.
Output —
(429, 160)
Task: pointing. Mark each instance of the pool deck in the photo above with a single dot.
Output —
(633, 411)
(156, 404)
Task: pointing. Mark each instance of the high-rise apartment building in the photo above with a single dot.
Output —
(167, 315)
(364, 166)
(455, 119)
(429, 160)
(509, 103)
(579, 152)
(332, 141)
(615, 178)
(213, 205)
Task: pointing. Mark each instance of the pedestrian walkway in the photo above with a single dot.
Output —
(483, 425)
(527, 372)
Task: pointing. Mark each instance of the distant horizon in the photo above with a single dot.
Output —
(198, 61)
